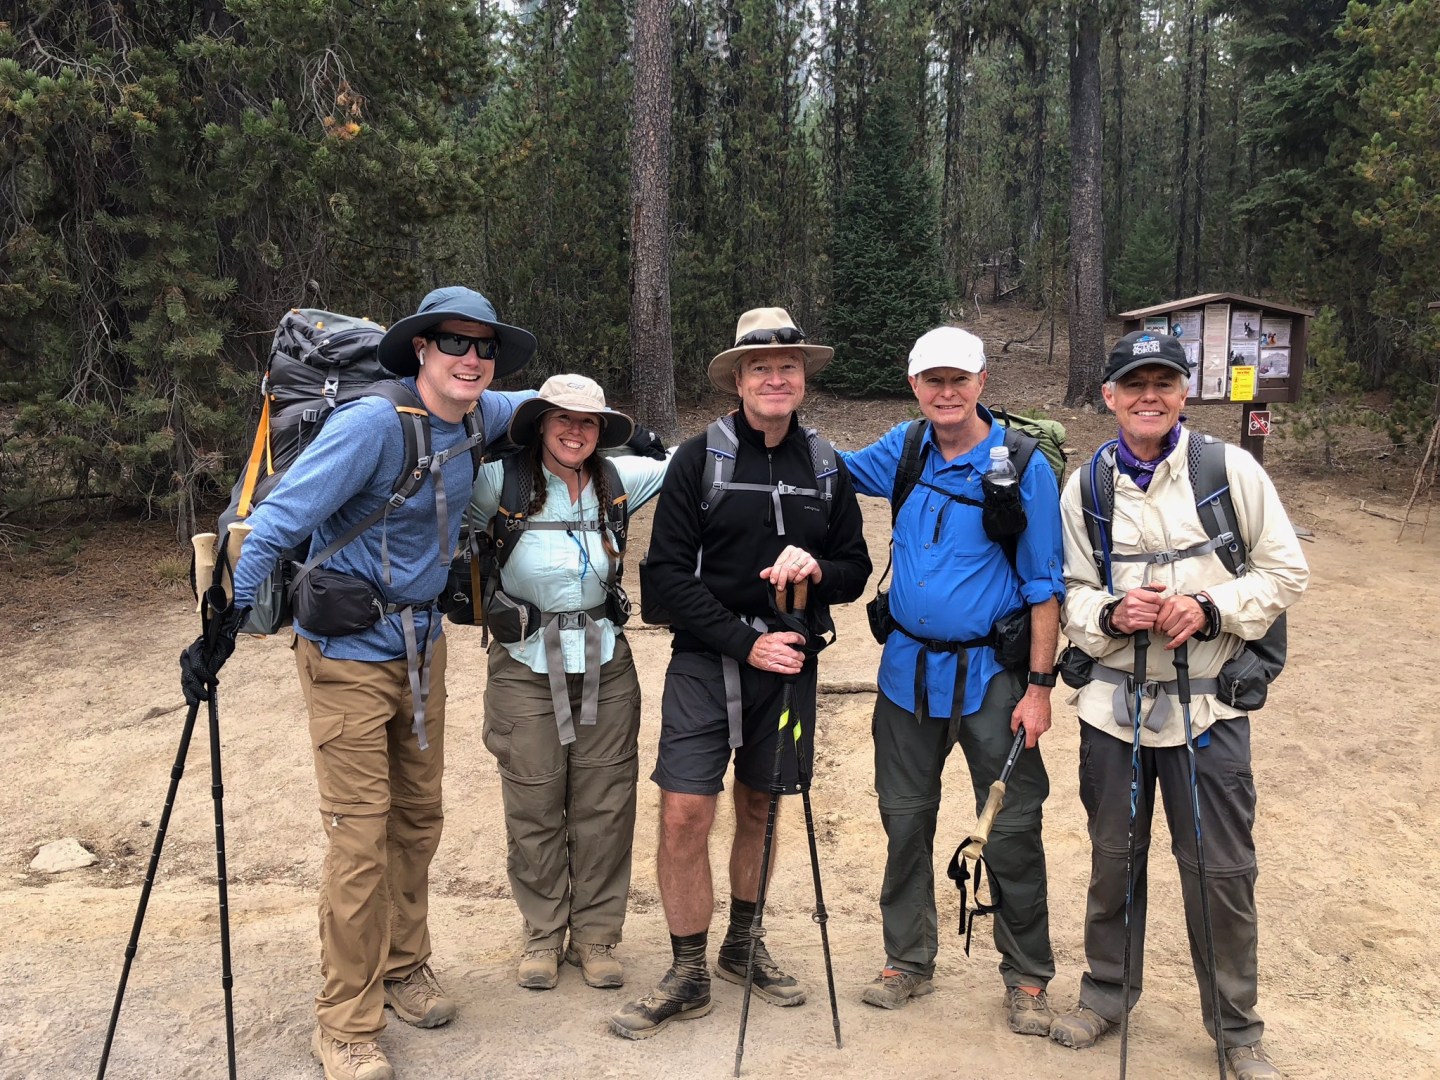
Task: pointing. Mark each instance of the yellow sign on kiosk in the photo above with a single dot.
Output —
(1242, 383)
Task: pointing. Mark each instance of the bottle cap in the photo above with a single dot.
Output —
(999, 453)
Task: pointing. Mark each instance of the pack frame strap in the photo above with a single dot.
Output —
(1164, 558)
(588, 622)
(730, 671)
(417, 665)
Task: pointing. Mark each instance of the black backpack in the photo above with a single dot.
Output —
(1211, 485)
(475, 572)
(318, 361)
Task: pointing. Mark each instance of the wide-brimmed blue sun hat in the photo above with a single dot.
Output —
(397, 352)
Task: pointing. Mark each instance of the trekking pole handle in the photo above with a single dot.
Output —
(799, 591)
(239, 530)
(993, 802)
(204, 545)
(1182, 671)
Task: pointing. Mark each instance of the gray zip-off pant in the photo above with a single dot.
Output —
(1227, 816)
(910, 756)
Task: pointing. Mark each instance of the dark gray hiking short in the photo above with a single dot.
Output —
(695, 731)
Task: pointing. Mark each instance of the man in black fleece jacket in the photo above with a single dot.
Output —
(769, 528)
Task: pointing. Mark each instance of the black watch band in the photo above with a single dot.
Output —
(1041, 678)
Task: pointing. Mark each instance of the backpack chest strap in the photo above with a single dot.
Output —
(775, 491)
(1163, 558)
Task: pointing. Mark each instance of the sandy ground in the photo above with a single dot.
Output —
(1346, 759)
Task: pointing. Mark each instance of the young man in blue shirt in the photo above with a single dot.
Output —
(379, 753)
(952, 583)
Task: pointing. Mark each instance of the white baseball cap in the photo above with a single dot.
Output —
(947, 347)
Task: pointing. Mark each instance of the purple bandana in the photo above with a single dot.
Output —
(1142, 472)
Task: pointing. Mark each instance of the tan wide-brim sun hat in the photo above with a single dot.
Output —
(571, 393)
(765, 329)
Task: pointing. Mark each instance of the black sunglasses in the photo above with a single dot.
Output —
(784, 335)
(458, 344)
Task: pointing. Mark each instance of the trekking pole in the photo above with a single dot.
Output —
(799, 590)
(213, 601)
(975, 845)
(1142, 646)
(820, 916)
(1182, 678)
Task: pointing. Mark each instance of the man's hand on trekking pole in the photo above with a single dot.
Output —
(1138, 608)
(793, 564)
(200, 664)
(1032, 710)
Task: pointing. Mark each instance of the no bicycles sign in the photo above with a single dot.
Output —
(1259, 423)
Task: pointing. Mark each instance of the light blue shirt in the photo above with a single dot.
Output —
(951, 581)
(558, 570)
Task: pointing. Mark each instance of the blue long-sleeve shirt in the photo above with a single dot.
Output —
(342, 476)
(951, 582)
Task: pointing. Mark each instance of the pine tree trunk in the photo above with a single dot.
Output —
(1187, 91)
(1202, 158)
(653, 369)
(1087, 227)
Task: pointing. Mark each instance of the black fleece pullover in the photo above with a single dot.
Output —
(740, 539)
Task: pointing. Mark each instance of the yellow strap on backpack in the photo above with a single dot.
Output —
(252, 467)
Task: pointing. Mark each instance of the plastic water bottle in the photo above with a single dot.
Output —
(1002, 469)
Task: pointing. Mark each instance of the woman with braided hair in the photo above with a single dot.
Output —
(562, 701)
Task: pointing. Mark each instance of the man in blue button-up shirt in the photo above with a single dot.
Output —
(952, 584)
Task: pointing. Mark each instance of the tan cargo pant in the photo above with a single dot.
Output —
(569, 810)
(381, 810)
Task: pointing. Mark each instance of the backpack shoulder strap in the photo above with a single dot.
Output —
(1097, 503)
(721, 445)
(617, 514)
(823, 460)
(517, 488)
(1211, 484)
(415, 424)
(475, 429)
(912, 464)
(1022, 447)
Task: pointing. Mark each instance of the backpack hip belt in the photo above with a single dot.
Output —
(961, 651)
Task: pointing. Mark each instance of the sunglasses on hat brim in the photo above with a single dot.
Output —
(783, 335)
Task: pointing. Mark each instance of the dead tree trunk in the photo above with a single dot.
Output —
(1087, 218)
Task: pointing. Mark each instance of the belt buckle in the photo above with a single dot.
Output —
(572, 620)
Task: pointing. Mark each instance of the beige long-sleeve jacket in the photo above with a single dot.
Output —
(1161, 518)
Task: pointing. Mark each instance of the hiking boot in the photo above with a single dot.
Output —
(350, 1060)
(597, 964)
(892, 988)
(770, 983)
(678, 997)
(417, 999)
(1027, 1014)
(1250, 1063)
(539, 969)
(1079, 1028)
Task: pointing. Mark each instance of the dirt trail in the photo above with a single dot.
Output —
(1346, 758)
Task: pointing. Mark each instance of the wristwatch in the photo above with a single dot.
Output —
(1041, 678)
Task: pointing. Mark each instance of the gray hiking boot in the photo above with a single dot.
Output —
(597, 964)
(417, 999)
(771, 984)
(1079, 1028)
(1251, 1063)
(678, 997)
(350, 1061)
(892, 988)
(1027, 1014)
(539, 969)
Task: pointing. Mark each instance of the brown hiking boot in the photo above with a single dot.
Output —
(892, 988)
(539, 969)
(1251, 1063)
(417, 999)
(1079, 1028)
(770, 983)
(350, 1060)
(1027, 1014)
(597, 963)
(678, 997)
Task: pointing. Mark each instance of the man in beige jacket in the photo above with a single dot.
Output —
(1158, 570)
